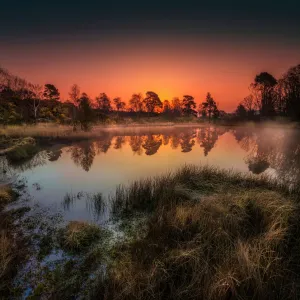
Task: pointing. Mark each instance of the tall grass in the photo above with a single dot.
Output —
(65, 132)
(96, 204)
(211, 234)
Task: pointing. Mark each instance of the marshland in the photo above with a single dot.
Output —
(198, 211)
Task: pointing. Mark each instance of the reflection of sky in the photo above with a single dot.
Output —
(122, 166)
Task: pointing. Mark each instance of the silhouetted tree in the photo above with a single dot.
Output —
(85, 112)
(152, 102)
(119, 104)
(241, 111)
(249, 105)
(136, 102)
(176, 106)
(264, 83)
(166, 106)
(209, 107)
(188, 106)
(51, 92)
(291, 92)
(103, 102)
(74, 94)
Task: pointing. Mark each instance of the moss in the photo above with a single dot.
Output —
(77, 236)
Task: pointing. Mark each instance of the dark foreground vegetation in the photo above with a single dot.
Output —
(13, 245)
(198, 233)
(24, 102)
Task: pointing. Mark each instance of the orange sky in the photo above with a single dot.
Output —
(169, 67)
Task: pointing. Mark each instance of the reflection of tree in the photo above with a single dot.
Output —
(175, 141)
(245, 137)
(278, 149)
(152, 144)
(284, 156)
(136, 144)
(120, 140)
(103, 145)
(165, 139)
(83, 155)
(187, 141)
(207, 138)
(38, 159)
(6, 171)
(54, 155)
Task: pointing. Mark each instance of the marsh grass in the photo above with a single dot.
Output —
(189, 183)
(78, 236)
(12, 243)
(211, 234)
(68, 201)
(96, 204)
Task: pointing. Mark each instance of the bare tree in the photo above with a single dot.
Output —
(74, 95)
(36, 92)
(248, 103)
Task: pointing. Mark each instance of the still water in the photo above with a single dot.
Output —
(92, 166)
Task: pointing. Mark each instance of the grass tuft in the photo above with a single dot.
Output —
(77, 236)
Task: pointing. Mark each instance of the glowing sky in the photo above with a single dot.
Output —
(176, 49)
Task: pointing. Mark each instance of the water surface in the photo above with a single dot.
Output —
(99, 165)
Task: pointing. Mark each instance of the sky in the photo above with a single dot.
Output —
(173, 49)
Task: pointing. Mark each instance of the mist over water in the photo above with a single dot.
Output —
(67, 177)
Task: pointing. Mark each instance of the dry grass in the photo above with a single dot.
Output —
(5, 196)
(6, 254)
(78, 235)
(65, 132)
(11, 244)
(218, 235)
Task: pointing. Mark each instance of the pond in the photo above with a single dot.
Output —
(64, 176)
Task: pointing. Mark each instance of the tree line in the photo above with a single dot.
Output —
(22, 101)
(270, 97)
